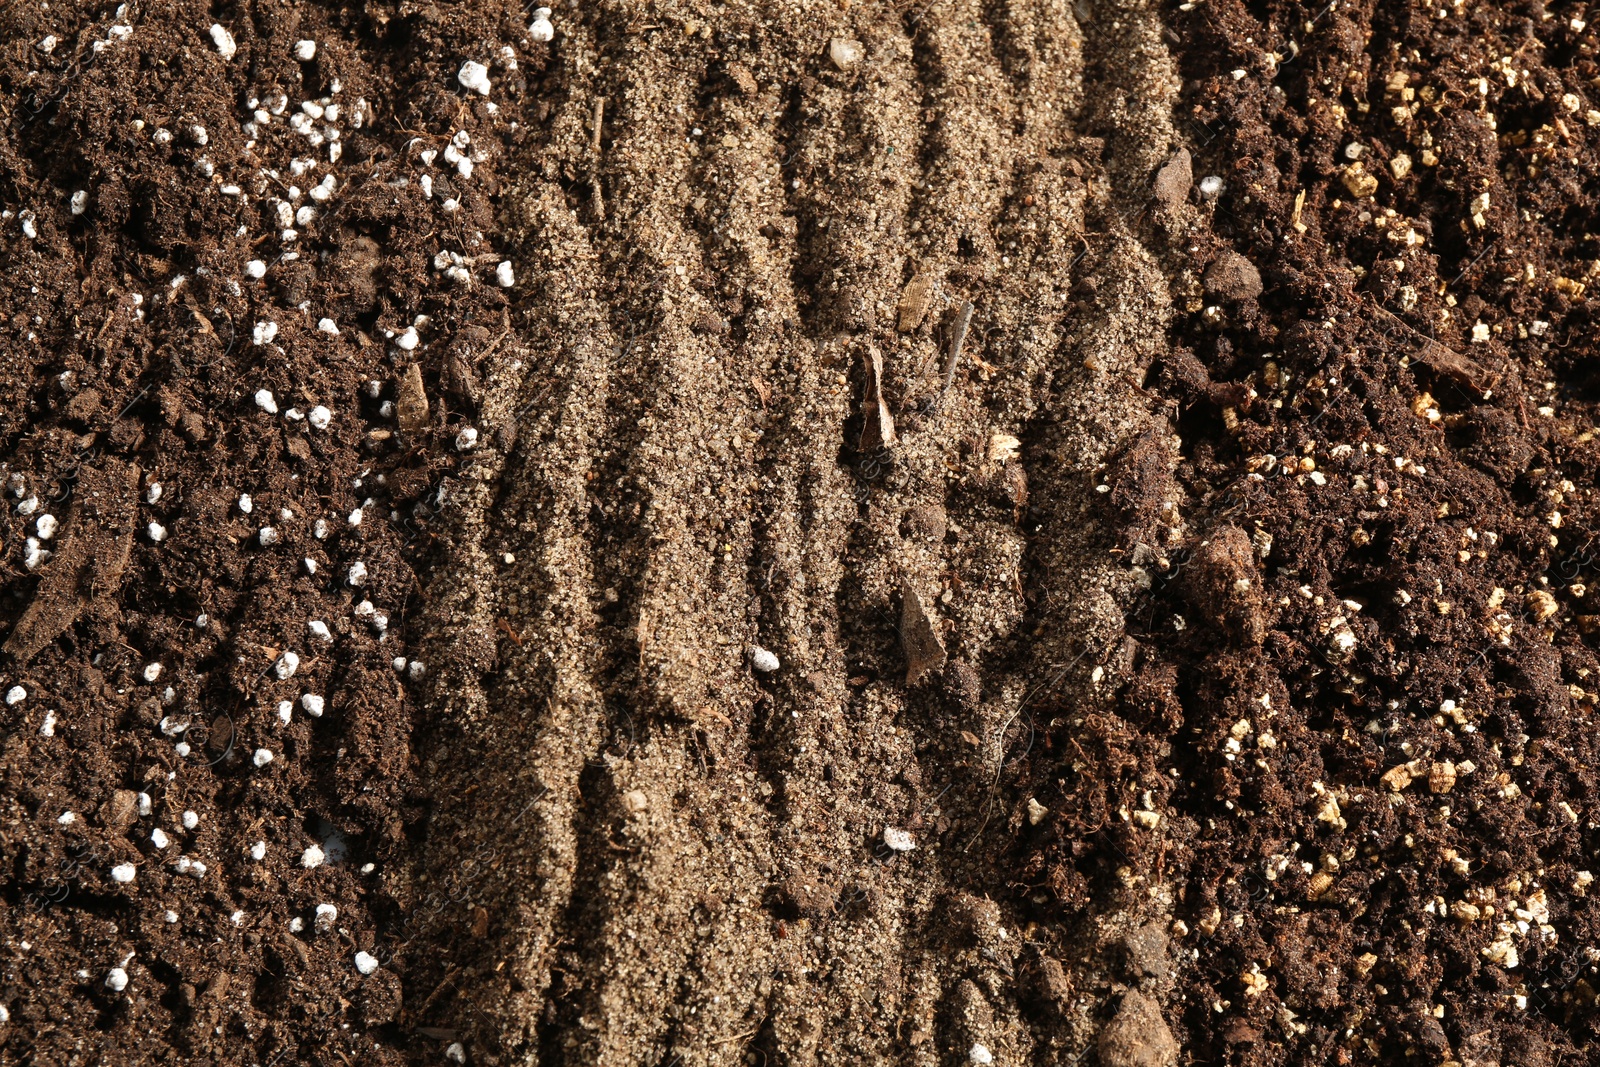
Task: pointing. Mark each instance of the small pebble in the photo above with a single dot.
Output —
(844, 52)
(474, 76)
(898, 840)
(223, 40)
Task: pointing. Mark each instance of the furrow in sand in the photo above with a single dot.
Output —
(692, 861)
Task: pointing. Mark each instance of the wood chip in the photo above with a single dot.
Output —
(1454, 365)
(914, 301)
(412, 406)
(1397, 778)
(925, 653)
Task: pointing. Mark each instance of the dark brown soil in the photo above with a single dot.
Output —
(130, 363)
(1214, 624)
(1362, 458)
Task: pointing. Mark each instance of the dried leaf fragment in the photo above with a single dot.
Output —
(877, 424)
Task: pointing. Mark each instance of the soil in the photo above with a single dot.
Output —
(934, 533)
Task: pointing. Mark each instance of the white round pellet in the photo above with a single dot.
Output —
(475, 77)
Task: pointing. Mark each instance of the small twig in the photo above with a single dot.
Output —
(957, 339)
(594, 175)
